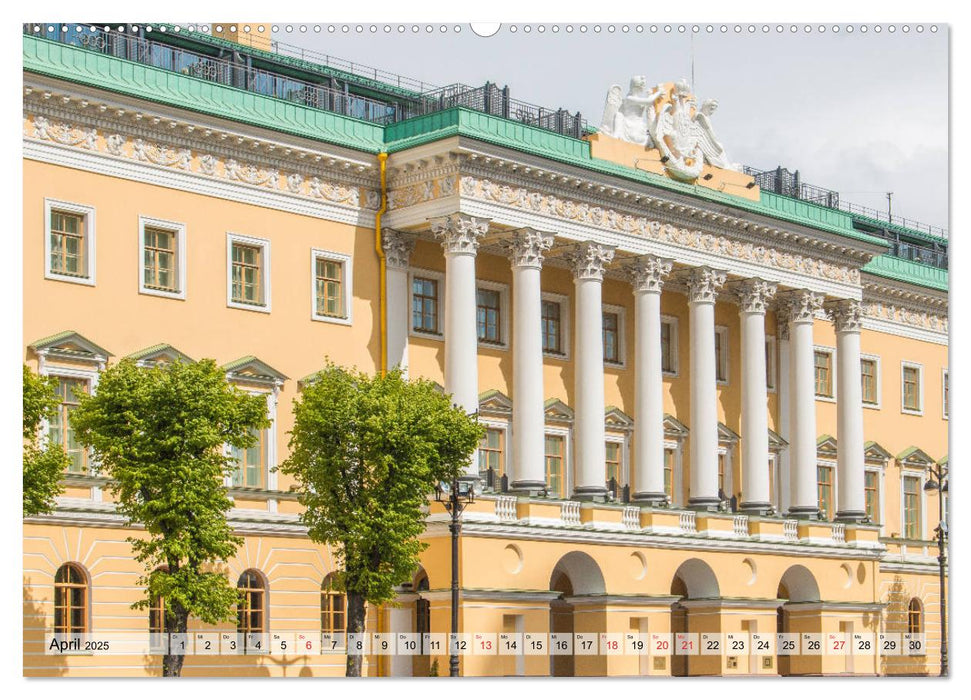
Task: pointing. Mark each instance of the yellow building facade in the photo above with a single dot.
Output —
(171, 213)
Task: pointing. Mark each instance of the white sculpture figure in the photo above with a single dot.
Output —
(631, 118)
(685, 137)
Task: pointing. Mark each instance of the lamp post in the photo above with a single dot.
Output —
(455, 497)
(940, 485)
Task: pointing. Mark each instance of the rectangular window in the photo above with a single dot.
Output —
(669, 346)
(868, 376)
(247, 274)
(424, 305)
(772, 494)
(824, 487)
(611, 337)
(911, 390)
(613, 461)
(770, 363)
(721, 355)
(722, 493)
(669, 461)
(329, 287)
(912, 507)
(488, 303)
(68, 246)
(555, 477)
(871, 490)
(491, 452)
(552, 327)
(945, 393)
(159, 271)
(60, 431)
(251, 462)
(823, 363)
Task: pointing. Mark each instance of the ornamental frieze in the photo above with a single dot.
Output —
(165, 155)
(906, 317)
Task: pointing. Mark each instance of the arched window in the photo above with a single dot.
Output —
(70, 600)
(251, 611)
(333, 608)
(915, 617)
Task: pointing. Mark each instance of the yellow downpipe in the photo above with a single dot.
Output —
(382, 281)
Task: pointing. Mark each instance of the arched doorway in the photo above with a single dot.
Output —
(421, 662)
(575, 574)
(797, 585)
(694, 580)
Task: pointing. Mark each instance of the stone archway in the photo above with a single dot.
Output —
(694, 580)
(797, 585)
(575, 574)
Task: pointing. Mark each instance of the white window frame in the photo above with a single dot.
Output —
(677, 482)
(772, 359)
(877, 379)
(565, 433)
(776, 492)
(271, 478)
(621, 334)
(91, 376)
(673, 321)
(831, 464)
(503, 290)
(439, 306)
(88, 212)
(262, 243)
(624, 465)
(726, 449)
(831, 351)
(180, 256)
(565, 325)
(921, 476)
(880, 470)
(347, 281)
(723, 361)
(506, 428)
(904, 364)
(945, 380)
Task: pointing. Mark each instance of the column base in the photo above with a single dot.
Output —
(705, 503)
(527, 488)
(597, 494)
(803, 513)
(648, 498)
(850, 516)
(755, 508)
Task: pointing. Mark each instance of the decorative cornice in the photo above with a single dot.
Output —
(703, 284)
(754, 294)
(847, 315)
(397, 248)
(459, 234)
(526, 247)
(588, 260)
(802, 305)
(648, 272)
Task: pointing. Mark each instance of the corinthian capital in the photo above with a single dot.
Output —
(588, 260)
(459, 234)
(397, 248)
(754, 294)
(846, 314)
(802, 305)
(527, 246)
(647, 273)
(703, 284)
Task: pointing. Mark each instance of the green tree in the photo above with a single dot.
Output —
(366, 452)
(159, 434)
(43, 464)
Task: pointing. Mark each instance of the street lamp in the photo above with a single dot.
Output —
(940, 485)
(455, 497)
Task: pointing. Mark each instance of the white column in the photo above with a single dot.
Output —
(646, 276)
(703, 285)
(526, 255)
(847, 318)
(782, 334)
(459, 235)
(397, 251)
(588, 261)
(803, 500)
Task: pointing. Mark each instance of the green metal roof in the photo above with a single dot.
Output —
(908, 271)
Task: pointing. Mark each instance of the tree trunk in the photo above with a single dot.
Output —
(178, 623)
(355, 623)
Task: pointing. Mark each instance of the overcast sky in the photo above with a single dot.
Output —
(862, 114)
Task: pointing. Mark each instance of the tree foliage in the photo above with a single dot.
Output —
(366, 452)
(43, 464)
(159, 434)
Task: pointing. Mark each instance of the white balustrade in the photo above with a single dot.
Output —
(839, 532)
(790, 529)
(570, 512)
(506, 507)
(632, 517)
(688, 522)
(740, 525)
